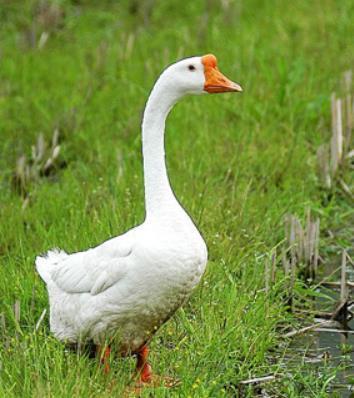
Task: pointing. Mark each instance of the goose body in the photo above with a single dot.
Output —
(127, 287)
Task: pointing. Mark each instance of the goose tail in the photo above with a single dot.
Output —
(44, 263)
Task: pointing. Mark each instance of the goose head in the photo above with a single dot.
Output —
(196, 75)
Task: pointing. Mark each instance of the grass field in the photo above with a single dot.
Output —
(238, 163)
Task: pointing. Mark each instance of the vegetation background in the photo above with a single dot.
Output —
(74, 78)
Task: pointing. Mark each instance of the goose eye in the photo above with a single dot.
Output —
(191, 67)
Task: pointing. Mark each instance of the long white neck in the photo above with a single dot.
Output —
(159, 197)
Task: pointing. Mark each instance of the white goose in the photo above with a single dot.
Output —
(127, 287)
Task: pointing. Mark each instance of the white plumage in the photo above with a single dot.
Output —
(127, 287)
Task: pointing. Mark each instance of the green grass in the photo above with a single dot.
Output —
(238, 163)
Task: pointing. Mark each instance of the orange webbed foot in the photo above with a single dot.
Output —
(145, 376)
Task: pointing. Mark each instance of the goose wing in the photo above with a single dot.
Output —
(92, 271)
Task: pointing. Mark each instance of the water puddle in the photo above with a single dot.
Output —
(332, 343)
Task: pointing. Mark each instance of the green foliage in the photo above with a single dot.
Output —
(238, 163)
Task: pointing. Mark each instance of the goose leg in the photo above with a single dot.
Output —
(143, 368)
(103, 353)
(145, 375)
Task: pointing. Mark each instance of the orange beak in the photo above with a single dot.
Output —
(215, 81)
